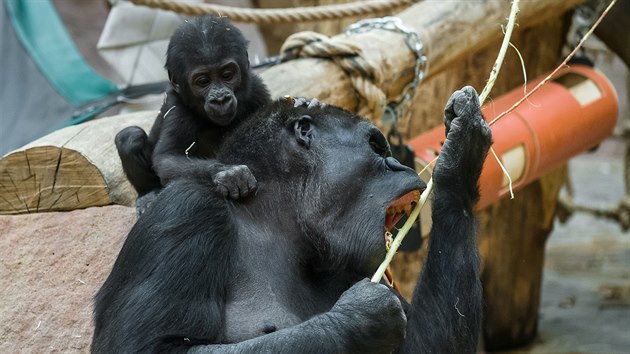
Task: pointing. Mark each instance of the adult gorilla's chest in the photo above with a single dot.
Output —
(266, 293)
(254, 311)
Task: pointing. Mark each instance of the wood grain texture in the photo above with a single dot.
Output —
(72, 168)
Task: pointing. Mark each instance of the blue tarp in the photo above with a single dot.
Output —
(43, 78)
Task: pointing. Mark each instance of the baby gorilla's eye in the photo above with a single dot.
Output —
(227, 75)
(202, 81)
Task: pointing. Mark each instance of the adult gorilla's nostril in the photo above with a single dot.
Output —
(394, 165)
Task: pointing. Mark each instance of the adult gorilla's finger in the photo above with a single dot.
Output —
(233, 190)
(315, 103)
(252, 184)
(222, 189)
(467, 102)
(299, 101)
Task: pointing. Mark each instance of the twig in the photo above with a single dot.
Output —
(402, 232)
(520, 57)
(190, 147)
(505, 172)
(167, 112)
(425, 195)
(562, 65)
(500, 57)
(459, 312)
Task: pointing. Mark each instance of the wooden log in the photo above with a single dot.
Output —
(72, 168)
(451, 31)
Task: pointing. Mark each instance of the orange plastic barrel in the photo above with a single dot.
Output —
(568, 115)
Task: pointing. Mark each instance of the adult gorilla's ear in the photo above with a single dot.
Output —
(174, 83)
(303, 129)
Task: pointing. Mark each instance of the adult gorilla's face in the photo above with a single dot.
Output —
(353, 193)
(327, 175)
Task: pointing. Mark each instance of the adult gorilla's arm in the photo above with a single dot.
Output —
(367, 318)
(446, 306)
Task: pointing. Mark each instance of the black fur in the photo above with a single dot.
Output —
(284, 272)
(212, 91)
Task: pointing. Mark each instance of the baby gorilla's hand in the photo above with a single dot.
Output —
(235, 181)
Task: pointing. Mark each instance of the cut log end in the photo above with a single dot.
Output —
(72, 168)
(55, 179)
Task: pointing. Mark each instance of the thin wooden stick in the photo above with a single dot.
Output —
(505, 172)
(425, 195)
(501, 56)
(403, 231)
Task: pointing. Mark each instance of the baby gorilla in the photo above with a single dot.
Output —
(285, 272)
(212, 91)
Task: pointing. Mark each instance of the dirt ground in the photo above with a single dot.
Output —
(585, 305)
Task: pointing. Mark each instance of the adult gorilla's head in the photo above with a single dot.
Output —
(327, 175)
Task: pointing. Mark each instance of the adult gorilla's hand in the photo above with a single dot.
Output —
(468, 138)
(305, 102)
(374, 315)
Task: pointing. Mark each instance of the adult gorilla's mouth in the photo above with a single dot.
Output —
(398, 208)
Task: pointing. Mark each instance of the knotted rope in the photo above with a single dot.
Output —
(267, 16)
(365, 77)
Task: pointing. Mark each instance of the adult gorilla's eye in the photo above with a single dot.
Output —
(378, 143)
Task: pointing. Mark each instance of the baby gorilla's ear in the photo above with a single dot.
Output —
(174, 84)
(303, 129)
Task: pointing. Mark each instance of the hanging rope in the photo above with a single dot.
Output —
(267, 16)
(365, 77)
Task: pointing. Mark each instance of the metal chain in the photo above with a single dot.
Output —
(584, 17)
(395, 109)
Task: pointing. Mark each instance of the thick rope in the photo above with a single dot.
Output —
(267, 16)
(365, 77)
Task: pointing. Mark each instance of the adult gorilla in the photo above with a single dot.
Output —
(283, 272)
